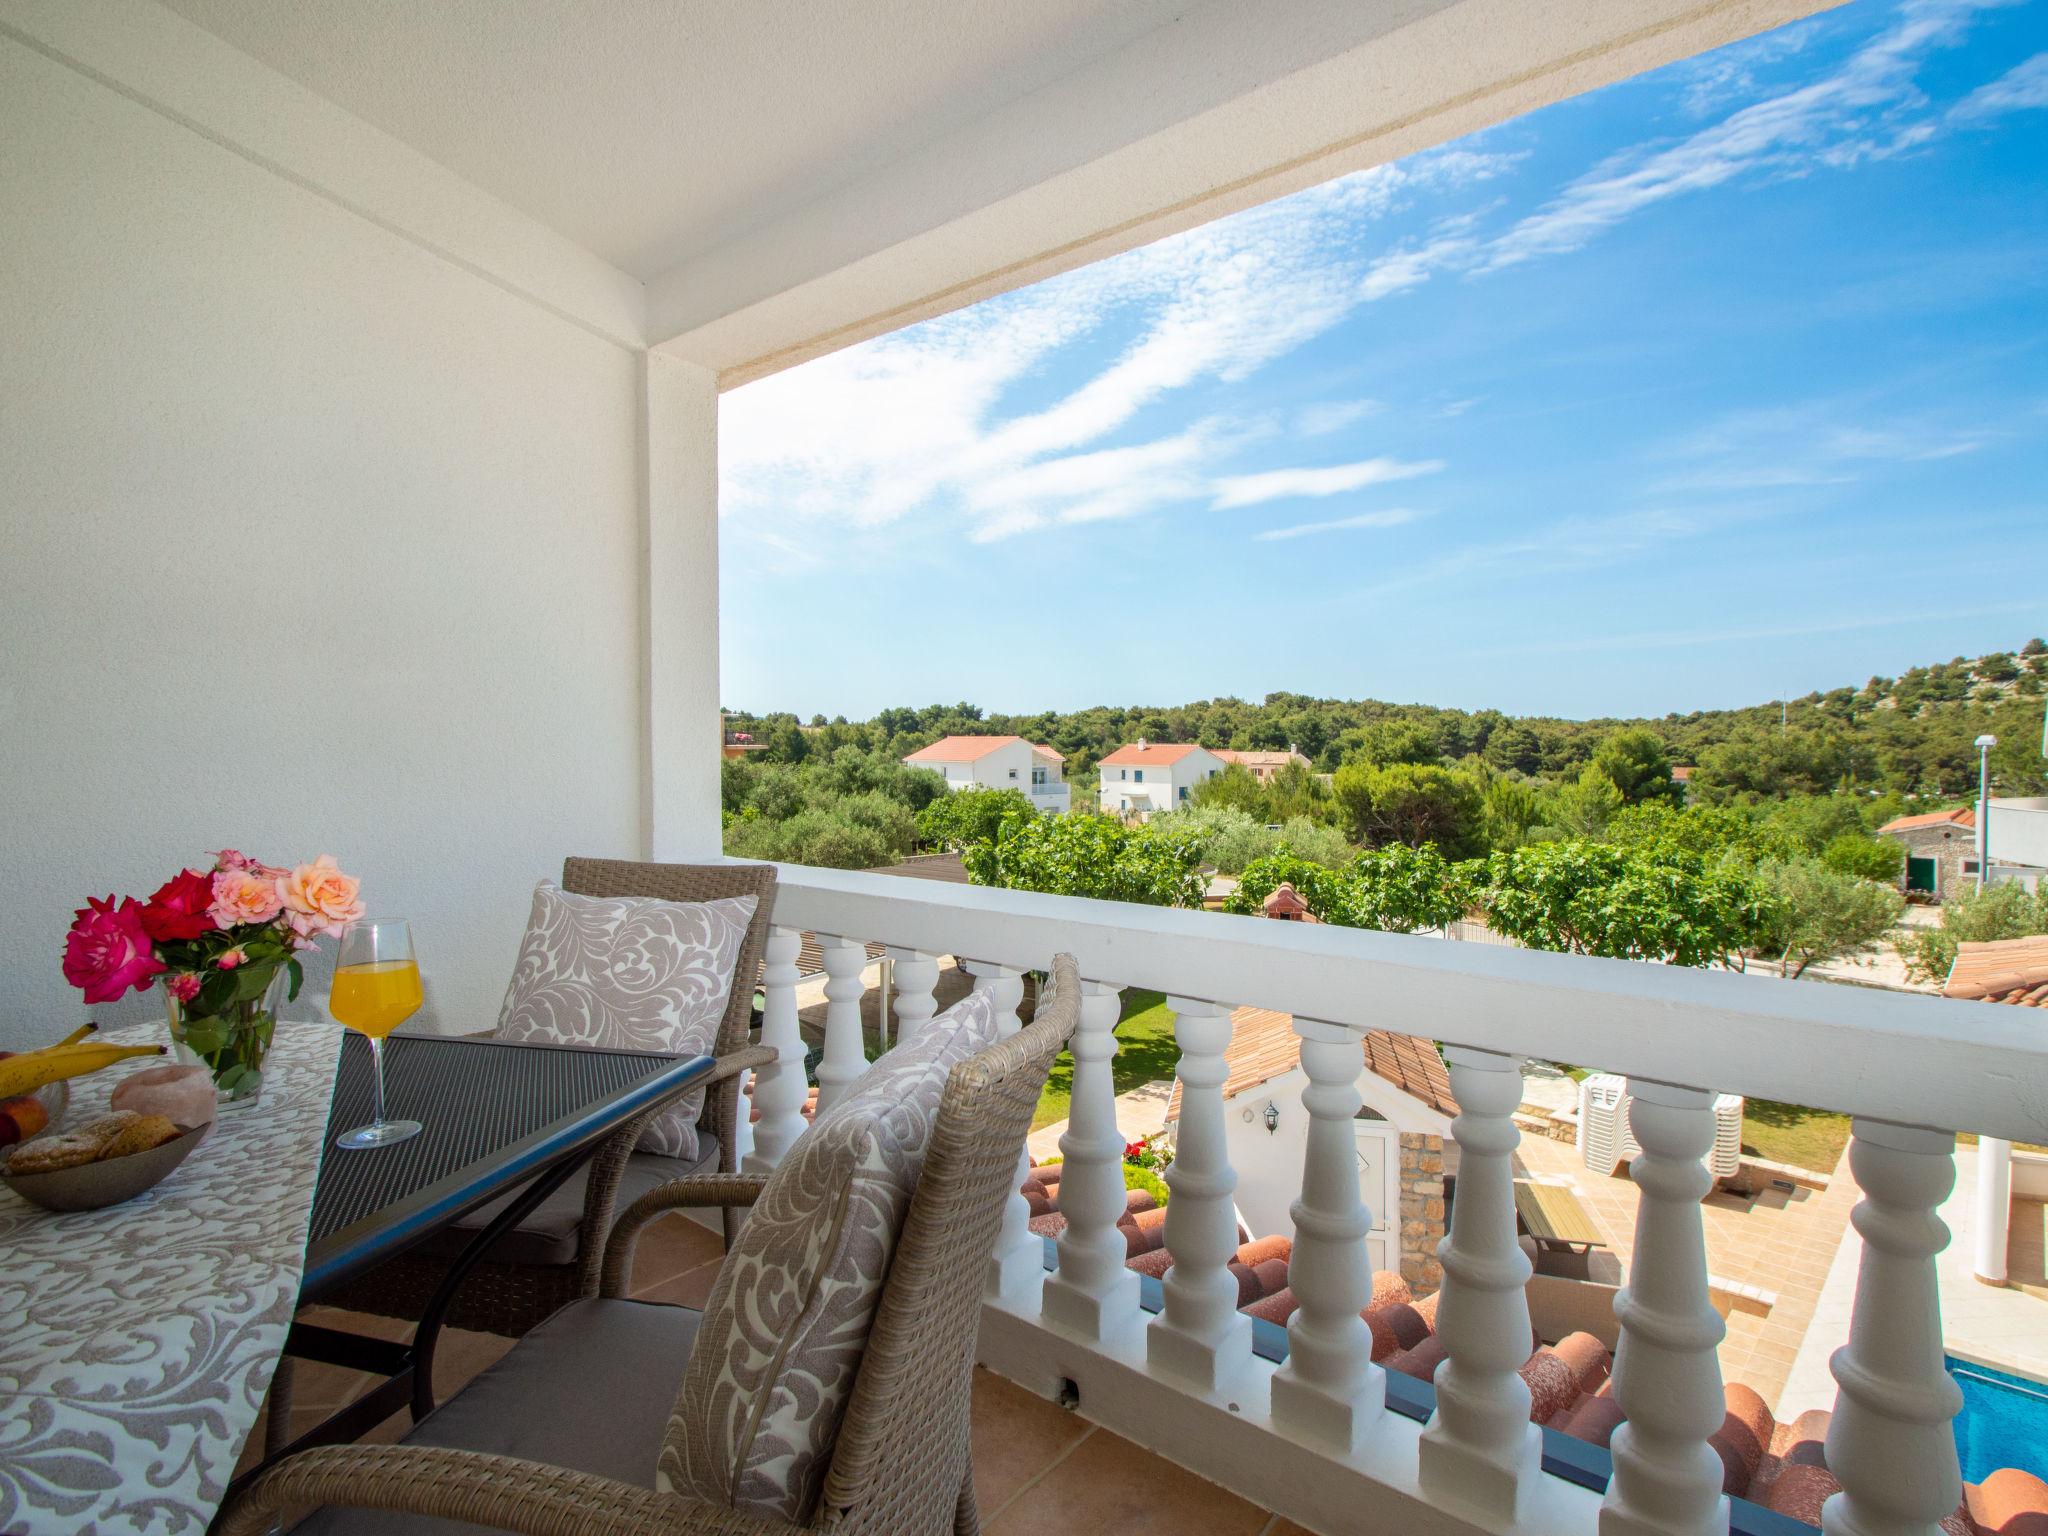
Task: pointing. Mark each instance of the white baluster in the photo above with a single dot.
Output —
(1091, 1292)
(743, 1129)
(1667, 1376)
(1200, 1336)
(1329, 1390)
(1480, 1448)
(1890, 1443)
(779, 1088)
(1016, 1263)
(917, 976)
(846, 1054)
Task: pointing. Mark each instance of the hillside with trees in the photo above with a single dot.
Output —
(1909, 735)
(1564, 835)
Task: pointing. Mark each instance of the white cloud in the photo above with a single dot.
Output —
(1333, 416)
(943, 421)
(923, 422)
(1332, 480)
(1667, 639)
(1569, 544)
(1393, 517)
(1822, 442)
(1861, 111)
(2019, 88)
(1107, 484)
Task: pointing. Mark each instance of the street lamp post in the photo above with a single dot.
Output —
(1984, 745)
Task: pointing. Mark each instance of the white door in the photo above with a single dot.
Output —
(1379, 1186)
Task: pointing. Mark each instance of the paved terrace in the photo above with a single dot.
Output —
(1778, 1242)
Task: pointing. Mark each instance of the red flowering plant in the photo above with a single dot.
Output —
(1145, 1152)
(220, 942)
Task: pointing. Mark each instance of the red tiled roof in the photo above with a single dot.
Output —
(2011, 971)
(1260, 759)
(1681, 772)
(1963, 817)
(1148, 754)
(1263, 1046)
(960, 749)
(1571, 1389)
(1043, 750)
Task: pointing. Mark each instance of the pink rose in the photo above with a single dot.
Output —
(183, 987)
(107, 952)
(242, 897)
(319, 898)
(233, 958)
(230, 858)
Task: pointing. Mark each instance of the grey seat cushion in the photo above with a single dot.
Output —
(549, 1235)
(589, 1389)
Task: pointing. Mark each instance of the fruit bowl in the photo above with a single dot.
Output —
(56, 1099)
(90, 1186)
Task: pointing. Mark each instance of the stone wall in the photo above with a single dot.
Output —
(1422, 1211)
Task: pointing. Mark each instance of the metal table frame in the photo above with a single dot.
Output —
(542, 1161)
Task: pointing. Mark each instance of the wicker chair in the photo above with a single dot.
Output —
(554, 1255)
(900, 1463)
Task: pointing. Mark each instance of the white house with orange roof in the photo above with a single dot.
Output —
(1153, 776)
(999, 762)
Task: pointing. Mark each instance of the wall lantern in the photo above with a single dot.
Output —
(1272, 1117)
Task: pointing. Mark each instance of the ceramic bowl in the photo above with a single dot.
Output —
(90, 1186)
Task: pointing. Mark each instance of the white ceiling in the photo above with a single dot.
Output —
(649, 131)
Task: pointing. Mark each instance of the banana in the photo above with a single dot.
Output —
(78, 1034)
(25, 1074)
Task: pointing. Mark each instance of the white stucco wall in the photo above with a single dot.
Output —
(2018, 830)
(317, 539)
(1269, 1163)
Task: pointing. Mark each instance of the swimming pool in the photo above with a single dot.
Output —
(2004, 1422)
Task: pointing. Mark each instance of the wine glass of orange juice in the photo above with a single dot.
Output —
(376, 989)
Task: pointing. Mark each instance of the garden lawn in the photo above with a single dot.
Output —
(1145, 1053)
(1786, 1133)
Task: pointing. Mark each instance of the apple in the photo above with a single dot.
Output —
(21, 1118)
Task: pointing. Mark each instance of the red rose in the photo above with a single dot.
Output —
(107, 952)
(178, 910)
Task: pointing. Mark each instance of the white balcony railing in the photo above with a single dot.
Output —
(1306, 1434)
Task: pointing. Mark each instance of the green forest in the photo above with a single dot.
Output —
(1564, 835)
(1909, 735)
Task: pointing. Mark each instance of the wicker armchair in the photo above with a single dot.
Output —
(900, 1463)
(512, 1292)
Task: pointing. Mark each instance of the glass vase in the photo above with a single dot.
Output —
(232, 1042)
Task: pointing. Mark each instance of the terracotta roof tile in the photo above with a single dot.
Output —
(1260, 759)
(1044, 751)
(960, 749)
(2011, 971)
(1263, 1046)
(1965, 817)
(1148, 754)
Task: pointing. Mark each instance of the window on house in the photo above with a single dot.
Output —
(1013, 773)
(1140, 778)
(1183, 791)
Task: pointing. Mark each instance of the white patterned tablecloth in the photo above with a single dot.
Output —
(137, 1342)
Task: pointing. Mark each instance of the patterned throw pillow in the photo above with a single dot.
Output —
(631, 974)
(788, 1317)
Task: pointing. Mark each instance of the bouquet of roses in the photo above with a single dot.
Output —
(217, 940)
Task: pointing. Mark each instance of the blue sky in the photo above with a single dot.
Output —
(1723, 383)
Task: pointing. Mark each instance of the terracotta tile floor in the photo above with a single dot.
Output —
(1779, 1242)
(1034, 1462)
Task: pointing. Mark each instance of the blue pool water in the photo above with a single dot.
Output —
(2004, 1422)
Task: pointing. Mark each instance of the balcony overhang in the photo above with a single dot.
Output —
(751, 188)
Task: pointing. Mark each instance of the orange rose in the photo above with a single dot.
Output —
(318, 898)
